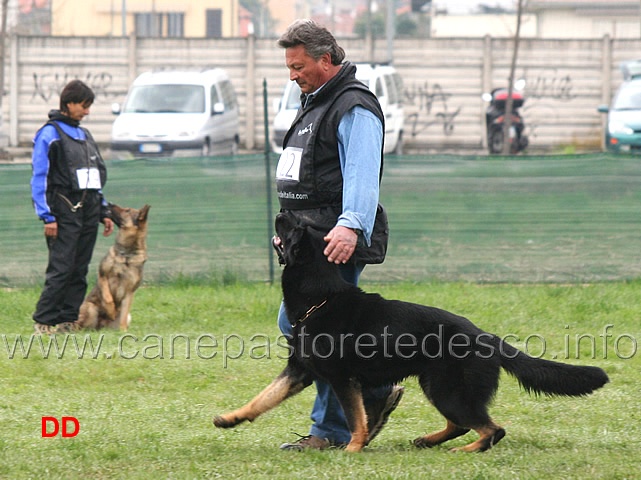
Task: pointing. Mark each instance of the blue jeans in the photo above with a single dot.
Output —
(327, 413)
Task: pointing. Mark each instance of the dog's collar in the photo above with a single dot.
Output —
(308, 314)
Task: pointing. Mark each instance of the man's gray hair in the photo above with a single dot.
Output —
(316, 39)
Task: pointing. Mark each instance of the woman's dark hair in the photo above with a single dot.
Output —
(316, 39)
(76, 91)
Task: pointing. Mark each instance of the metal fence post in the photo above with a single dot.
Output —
(268, 184)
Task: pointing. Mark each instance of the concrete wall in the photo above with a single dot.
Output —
(443, 81)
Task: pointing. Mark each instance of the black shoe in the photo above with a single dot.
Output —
(378, 414)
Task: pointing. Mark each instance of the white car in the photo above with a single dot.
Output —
(383, 80)
(177, 114)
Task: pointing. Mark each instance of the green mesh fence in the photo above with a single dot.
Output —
(454, 218)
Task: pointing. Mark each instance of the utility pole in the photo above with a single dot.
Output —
(124, 18)
(369, 36)
(390, 30)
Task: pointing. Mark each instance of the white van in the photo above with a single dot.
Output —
(177, 114)
(383, 80)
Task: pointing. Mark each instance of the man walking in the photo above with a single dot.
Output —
(328, 177)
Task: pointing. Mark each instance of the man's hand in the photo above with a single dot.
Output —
(109, 226)
(341, 243)
(51, 229)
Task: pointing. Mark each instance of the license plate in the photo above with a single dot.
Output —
(150, 148)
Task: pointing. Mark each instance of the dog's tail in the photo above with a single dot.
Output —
(537, 375)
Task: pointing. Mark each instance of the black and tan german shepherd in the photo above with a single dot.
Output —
(353, 339)
(119, 274)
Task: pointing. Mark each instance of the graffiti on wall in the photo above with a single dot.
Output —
(433, 108)
(432, 105)
(49, 85)
(548, 86)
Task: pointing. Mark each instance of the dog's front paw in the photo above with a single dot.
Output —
(354, 447)
(223, 421)
(424, 442)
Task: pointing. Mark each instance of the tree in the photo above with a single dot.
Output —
(377, 25)
(405, 25)
(510, 86)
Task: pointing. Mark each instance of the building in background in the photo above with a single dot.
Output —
(29, 17)
(586, 18)
(145, 18)
(499, 24)
(269, 18)
(463, 18)
(284, 12)
(245, 22)
(340, 16)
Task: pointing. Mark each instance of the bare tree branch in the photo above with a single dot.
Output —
(507, 125)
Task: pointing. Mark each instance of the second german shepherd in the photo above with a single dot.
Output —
(353, 339)
(119, 274)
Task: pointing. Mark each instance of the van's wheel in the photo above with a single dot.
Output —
(206, 148)
(398, 150)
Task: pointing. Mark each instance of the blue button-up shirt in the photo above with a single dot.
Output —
(360, 140)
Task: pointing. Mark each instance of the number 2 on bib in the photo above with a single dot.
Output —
(289, 164)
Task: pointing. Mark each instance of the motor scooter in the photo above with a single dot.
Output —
(495, 118)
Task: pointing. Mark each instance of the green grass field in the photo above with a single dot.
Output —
(145, 402)
(543, 249)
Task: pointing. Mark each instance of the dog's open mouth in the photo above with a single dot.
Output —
(280, 250)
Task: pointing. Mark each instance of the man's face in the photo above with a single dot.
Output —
(78, 111)
(308, 73)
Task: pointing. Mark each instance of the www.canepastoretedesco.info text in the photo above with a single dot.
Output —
(605, 344)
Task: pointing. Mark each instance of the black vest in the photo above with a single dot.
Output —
(309, 178)
(78, 155)
(309, 172)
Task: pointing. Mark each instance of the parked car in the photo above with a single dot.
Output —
(177, 114)
(623, 129)
(383, 80)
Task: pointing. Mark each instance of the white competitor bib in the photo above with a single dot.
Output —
(289, 164)
(88, 178)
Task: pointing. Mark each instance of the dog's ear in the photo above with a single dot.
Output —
(142, 213)
(292, 244)
(290, 234)
(284, 223)
(295, 235)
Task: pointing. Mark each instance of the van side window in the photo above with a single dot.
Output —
(398, 81)
(391, 89)
(214, 97)
(293, 100)
(229, 96)
(379, 92)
